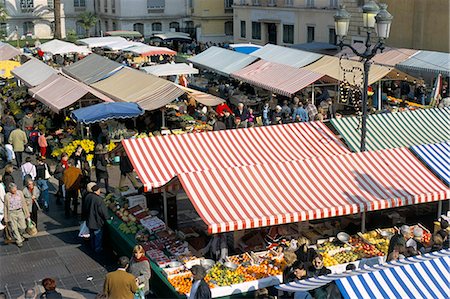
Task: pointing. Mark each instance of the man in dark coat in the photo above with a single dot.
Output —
(98, 214)
(200, 289)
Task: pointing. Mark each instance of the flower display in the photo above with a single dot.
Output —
(87, 145)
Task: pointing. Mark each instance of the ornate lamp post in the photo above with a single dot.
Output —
(375, 18)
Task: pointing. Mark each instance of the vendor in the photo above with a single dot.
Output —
(217, 248)
(399, 238)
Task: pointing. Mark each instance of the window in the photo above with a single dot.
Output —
(288, 34)
(174, 25)
(79, 3)
(255, 2)
(243, 29)
(105, 5)
(310, 34)
(139, 27)
(28, 28)
(79, 28)
(310, 3)
(51, 3)
(26, 5)
(289, 2)
(272, 3)
(334, 3)
(156, 27)
(229, 28)
(114, 24)
(228, 5)
(113, 6)
(256, 30)
(332, 39)
(156, 5)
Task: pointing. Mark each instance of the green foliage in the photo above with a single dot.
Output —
(88, 20)
(71, 36)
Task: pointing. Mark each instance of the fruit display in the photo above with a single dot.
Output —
(329, 260)
(181, 282)
(381, 243)
(222, 276)
(344, 257)
(364, 249)
(426, 237)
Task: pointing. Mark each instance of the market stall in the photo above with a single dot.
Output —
(55, 47)
(7, 51)
(286, 56)
(170, 69)
(98, 42)
(390, 130)
(436, 157)
(245, 48)
(33, 72)
(106, 111)
(6, 68)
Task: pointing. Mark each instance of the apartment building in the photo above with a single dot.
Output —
(284, 22)
(213, 20)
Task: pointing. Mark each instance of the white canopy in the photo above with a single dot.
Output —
(121, 45)
(170, 69)
(61, 47)
(95, 42)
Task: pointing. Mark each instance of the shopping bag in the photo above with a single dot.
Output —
(31, 228)
(84, 231)
(29, 149)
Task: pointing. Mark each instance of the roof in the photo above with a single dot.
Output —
(316, 282)
(7, 51)
(105, 111)
(278, 78)
(96, 42)
(59, 92)
(244, 48)
(389, 56)
(92, 68)
(333, 67)
(158, 160)
(222, 61)
(436, 157)
(146, 50)
(120, 45)
(390, 130)
(33, 72)
(6, 66)
(415, 278)
(129, 85)
(123, 33)
(170, 69)
(56, 46)
(236, 198)
(168, 36)
(202, 97)
(286, 56)
(427, 61)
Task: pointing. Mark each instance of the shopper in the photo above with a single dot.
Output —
(120, 284)
(42, 177)
(288, 273)
(140, 268)
(59, 174)
(72, 182)
(126, 171)
(304, 253)
(16, 212)
(42, 142)
(399, 238)
(18, 140)
(2, 202)
(101, 166)
(7, 176)
(30, 294)
(28, 170)
(31, 194)
(81, 163)
(97, 216)
(49, 285)
(199, 289)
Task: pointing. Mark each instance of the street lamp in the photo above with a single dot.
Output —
(374, 18)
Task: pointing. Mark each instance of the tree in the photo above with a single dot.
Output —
(3, 17)
(57, 14)
(87, 21)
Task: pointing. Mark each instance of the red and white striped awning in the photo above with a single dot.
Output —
(157, 160)
(264, 195)
(281, 79)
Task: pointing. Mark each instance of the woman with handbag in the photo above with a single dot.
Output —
(100, 162)
(31, 194)
(16, 212)
(42, 177)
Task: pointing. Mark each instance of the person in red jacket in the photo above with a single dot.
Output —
(222, 107)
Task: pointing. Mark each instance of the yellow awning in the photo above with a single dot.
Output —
(6, 66)
(352, 71)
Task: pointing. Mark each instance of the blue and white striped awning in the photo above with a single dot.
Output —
(436, 157)
(425, 276)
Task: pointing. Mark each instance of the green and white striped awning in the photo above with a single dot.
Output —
(391, 130)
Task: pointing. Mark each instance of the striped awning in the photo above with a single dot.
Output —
(427, 61)
(436, 259)
(436, 157)
(278, 78)
(390, 130)
(157, 160)
(422, 279)
(237, 198)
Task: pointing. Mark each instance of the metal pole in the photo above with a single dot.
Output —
(380, 96)
(313, 96)
(166, 219)
(163, 125)
(439, 213)
(363, 222)
(364, 105)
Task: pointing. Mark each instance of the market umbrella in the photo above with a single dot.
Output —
(244, 48)
(105, 111)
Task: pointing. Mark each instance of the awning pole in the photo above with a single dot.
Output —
(166, 220)
(380, 96)
(163, 119)
(312, 94)
(439, 213)
(363, 222)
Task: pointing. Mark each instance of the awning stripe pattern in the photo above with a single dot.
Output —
(390, 130)
(236, 198)
(313, 283)
(425, 279)
(436, 157)
(158, 160)
(281, 79)
(427, 61)
(286, 56)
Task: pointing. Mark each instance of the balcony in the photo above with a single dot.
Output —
(155, 9)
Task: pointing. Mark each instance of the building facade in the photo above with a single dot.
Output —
(213, 20)
(284, 22)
